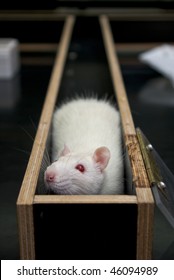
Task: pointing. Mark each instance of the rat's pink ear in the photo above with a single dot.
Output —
(65, 151)
(102, 157)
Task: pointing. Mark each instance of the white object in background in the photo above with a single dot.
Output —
(161, 59)
(10, 90)
(9, 57)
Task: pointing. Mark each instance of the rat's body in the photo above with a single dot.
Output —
(87, 144)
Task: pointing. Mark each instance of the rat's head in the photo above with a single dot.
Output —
(77, 173)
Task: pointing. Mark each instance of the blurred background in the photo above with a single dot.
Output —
(137, 26)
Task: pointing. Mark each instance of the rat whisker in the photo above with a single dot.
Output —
(22, 151)
(27, 133)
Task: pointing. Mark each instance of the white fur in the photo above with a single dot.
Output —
(84, 125)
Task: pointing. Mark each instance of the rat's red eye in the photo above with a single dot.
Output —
(80, 167)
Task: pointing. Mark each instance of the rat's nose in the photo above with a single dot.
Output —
(49, 176)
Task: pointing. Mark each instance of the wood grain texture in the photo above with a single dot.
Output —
(138, 169)
(126, 116)
(54, 199)
(26, 232)
(145, 223)
(31, 176)
(140, 178)
(28, 188)
(145, 199)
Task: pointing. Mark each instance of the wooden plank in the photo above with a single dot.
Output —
(26, 231)
(145, 223)
(30, 180)
(28, 188)
(38, 47)
(140, 14)
(37, 60)
(54, 199)
(115, 14)
(126, 117)
(125, 48)
(134, 48)
(138, 169)
(140, 178)
(144, 196)
(25, 15)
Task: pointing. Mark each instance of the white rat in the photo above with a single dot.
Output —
(87, 149)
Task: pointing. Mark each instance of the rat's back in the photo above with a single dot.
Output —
(86, 124)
